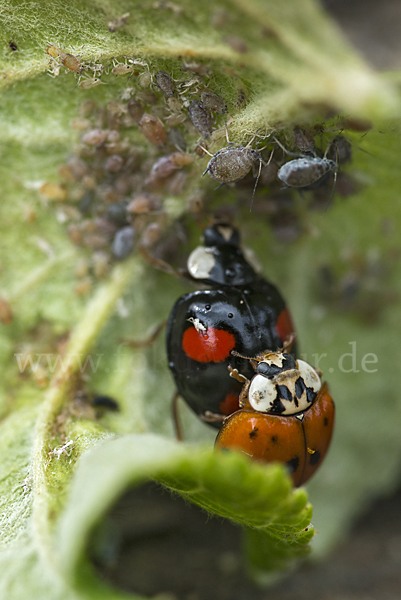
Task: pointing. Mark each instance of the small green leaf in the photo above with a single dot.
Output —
(224, 484)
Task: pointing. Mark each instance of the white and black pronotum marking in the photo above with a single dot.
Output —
(282, 385)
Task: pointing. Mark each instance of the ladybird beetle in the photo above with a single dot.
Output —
(239, 311)
(287, 415)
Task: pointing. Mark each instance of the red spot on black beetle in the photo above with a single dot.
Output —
(212, 345)
(284, 325)
(230, 404)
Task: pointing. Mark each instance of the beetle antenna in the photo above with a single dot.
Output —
(289, 342)
(234, 353)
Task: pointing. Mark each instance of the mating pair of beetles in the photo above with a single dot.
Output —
(232, 352)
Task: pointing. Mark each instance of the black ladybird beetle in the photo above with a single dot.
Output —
(287, 415)
(239, 311)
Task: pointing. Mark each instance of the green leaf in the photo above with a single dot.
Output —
(59, 472)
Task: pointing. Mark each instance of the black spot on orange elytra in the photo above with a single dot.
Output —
(314, 458)
(253, 433)
(293, 464)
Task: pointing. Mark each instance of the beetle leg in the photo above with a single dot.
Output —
(176, 417)
(235, 375)
(211, 417)
(243, 397)
(150, 339)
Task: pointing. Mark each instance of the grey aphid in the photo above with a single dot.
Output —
(340, 150)
(232, 164)
(213, 102)
(123, 242)
(302, 172)
(165, 83)
(200, 118)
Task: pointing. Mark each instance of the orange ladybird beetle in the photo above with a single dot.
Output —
(287, 415)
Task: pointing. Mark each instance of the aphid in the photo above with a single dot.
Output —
(236, 44)
(153, 129)
(145, 79)
(166, 165)
(231, 164)
(13, 46)
(135, 110)
(165, 83)
(89, 83)
(303, 140)
(340, 150)
(122, 69)
(174, 105)
(70, 62)
(166, 5)
(200, 118)
(95, 137)
(175, 119)
(143, 204)
(151, 235)
(114, 163)
(53, 191)
(53, 51)
(115, 24)
(214, 102)
(117, 212)
(123, 242)
(197, 68)
(302, 172)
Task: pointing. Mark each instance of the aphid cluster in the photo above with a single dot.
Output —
(138, 150)
(132, 153)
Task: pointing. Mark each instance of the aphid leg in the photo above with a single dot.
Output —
(227, 138)
(78, 82)
(256, 183)
(207, 152)
(176, 417)
(259, 172)
(284, 149)
(150, 339)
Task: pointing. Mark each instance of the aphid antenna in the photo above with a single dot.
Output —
(259, 172)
